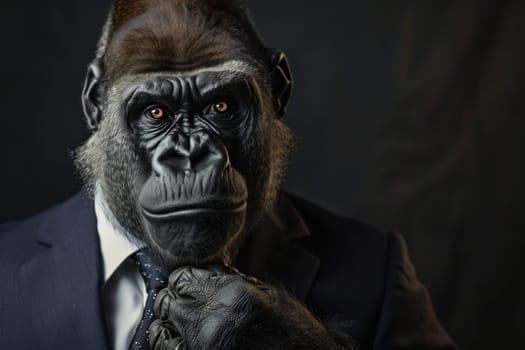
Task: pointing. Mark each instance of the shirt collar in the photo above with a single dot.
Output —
(114, 244)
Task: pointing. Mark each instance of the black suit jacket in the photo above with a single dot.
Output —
(50, 267)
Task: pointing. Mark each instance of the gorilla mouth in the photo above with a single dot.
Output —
(170, 211)
(175, 195)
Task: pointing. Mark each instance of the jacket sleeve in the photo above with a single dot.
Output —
(407, 319)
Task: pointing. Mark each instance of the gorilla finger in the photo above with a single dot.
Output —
(164, 304)
(234, 272)
(169, 344)
(162, 332)
(189, 280)
(171, 309)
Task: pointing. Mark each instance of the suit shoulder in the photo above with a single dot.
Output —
(325, 224)
(12, 234)
(17, 237)
(354, 261)
(351, 251)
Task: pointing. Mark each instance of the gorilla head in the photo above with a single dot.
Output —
(184, 103)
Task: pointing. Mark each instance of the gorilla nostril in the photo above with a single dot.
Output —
(200, 158)
(205, 151)
(194, 152)
(179, 163)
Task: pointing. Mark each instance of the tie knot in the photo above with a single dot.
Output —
(154, 276)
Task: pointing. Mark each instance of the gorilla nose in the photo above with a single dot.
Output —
(195, 152)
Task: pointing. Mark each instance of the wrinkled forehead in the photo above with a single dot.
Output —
(202, 78)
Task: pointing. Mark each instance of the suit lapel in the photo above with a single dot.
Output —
(273, 251)
(61, 281)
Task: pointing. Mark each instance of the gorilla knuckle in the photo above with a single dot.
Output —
(161, 332)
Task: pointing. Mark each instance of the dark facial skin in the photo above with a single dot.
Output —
(188, 129)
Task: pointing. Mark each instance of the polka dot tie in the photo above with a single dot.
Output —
(155, 279)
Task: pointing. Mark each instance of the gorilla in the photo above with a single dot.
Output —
(187, 150)
(182, 171)
(184, 101)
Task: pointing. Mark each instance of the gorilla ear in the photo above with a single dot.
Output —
(282, 81)
(91, 96)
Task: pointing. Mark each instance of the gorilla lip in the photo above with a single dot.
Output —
(171, 212)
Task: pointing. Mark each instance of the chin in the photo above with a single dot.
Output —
(193, 237)
(191, 218)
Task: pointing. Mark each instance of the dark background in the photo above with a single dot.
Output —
(409, 115)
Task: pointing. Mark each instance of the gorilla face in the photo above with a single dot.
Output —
(187, 126)
(187, 158)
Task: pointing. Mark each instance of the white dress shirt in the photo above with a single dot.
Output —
(124, 292)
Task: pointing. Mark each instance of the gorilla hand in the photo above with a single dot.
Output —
(211, 309)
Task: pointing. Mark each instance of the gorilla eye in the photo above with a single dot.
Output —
(156, 113)
(221, 107)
